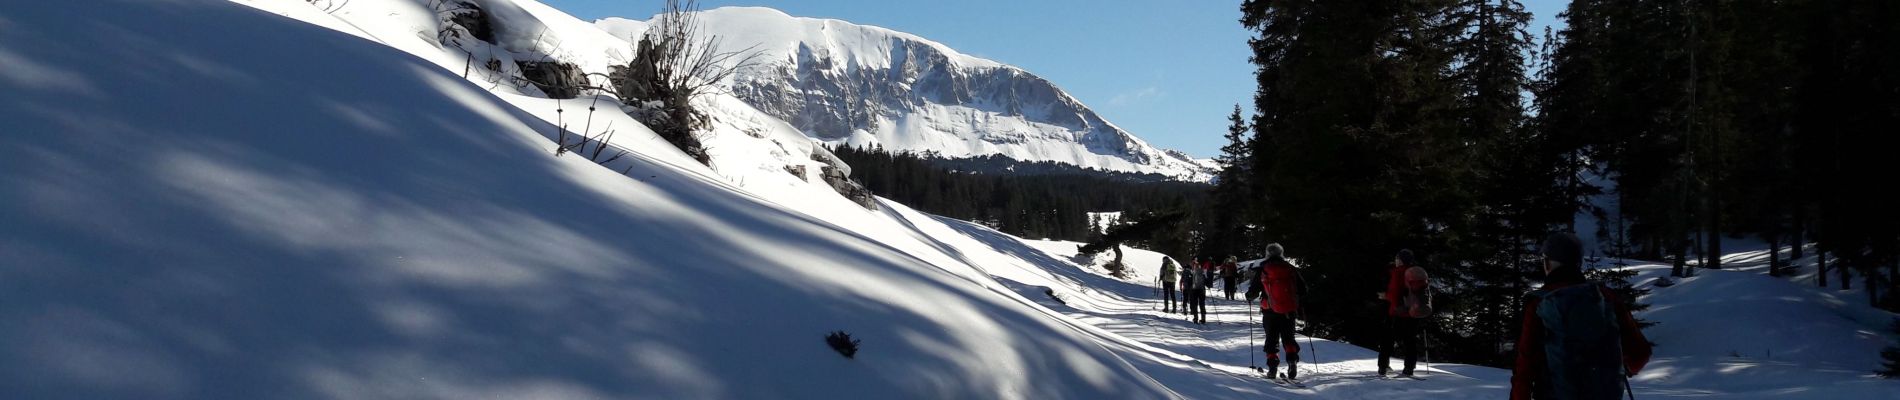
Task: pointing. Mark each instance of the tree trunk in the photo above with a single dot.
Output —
(1820, 271)
(1893, 273)
(1701, 257)
(1715, 234)
(1873, 287)
(1119, 267)
(1800, 228)
(1774, 254)
(1847, 279)
(1681, 251)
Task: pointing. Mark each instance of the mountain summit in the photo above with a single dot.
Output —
(864, 85)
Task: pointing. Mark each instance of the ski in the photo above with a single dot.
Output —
(1282, 380)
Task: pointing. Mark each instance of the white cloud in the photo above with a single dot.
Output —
(1139, 95)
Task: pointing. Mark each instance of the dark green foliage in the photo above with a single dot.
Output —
(1618, 281)
(1731, 119)
(1388, 125)
(1228, 231)
(1054, 205)
(1162, 228)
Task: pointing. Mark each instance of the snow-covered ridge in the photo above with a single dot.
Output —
(863, 85)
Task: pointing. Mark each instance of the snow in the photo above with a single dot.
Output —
(324, 217)
(777, 33)
(841, 50)
(200, 200)
(1739, 333)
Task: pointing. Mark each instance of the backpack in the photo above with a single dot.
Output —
(1187, 277)
(1417, 300)
(1583, 349)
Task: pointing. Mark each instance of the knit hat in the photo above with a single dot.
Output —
(1274, 250)
(1564, 248)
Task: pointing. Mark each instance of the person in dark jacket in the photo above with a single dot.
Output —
(1402, 330)
(1555, 358)
(1198, 312)
(1230, 276)
(1279, 282)
(1190, 288)
(1168, 277)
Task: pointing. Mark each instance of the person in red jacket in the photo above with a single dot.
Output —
(1281, 284)
(1401, 328)
(1579, 340)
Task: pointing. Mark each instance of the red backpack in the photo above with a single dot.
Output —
(1416, 302)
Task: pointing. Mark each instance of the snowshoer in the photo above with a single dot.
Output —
(1230, 275)
(1579, 340)
(1167, 283)
(1408, 302)
(1281, 288)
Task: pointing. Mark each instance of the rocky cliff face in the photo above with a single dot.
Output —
(863, 85)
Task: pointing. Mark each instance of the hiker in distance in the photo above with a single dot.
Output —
(1198, 310)
(1579, 340)
(1408, 301)
(1279, 290)
(1206, 274)
(1167, 283)
(1188, 289)
(1230, 275)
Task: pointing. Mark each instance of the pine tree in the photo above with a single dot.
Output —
(1890, 357)
(1226, 216)
(1518, 190)
(1358, 149)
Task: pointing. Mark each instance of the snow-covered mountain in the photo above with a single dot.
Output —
(861, 85)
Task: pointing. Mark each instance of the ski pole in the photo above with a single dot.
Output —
(1309, 336)
(1428, 348)
(1252, 325)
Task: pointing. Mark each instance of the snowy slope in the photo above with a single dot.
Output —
(864, 85)
(271, 209)
(268, 208)
(1738, 333)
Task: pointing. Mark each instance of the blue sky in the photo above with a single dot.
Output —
(1168, 71)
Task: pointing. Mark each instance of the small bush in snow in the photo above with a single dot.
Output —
(673, 63)
(843, 343)
(1890, 357)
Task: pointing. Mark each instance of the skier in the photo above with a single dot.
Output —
(1281, 287)
(1167, 283)
(1579, 340)
(1407, 302)
(1207, 282)
(1188, 285)
(1230, 275)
